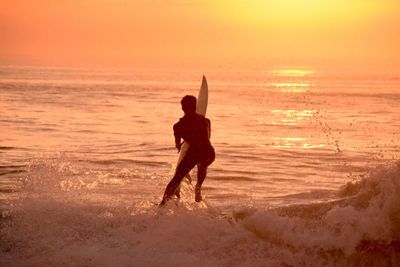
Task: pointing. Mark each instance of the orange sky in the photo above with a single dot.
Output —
(198, 33)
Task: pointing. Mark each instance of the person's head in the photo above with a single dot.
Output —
(189, 104)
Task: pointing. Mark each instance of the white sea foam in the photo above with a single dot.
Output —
(51, 224)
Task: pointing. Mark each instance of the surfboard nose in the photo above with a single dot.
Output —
(204, 81)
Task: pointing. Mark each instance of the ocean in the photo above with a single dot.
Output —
(307, 169)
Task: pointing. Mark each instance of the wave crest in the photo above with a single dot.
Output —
(361, 228)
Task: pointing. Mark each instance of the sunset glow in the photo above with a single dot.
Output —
(199, 133)
(201, 33)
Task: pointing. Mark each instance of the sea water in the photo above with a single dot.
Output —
(306, 170)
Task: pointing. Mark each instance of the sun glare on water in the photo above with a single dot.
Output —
(292, 72)
(292, 80)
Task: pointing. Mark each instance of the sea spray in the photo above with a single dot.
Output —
(360, 228)
(63, 226)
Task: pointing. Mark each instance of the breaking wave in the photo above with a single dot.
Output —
(57, 219)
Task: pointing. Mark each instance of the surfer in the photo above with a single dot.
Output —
(195, 130)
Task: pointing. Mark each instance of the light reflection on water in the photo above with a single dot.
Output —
(293, 72)
(290, 116)
(292, 87)
(294, 142)
(292, 80)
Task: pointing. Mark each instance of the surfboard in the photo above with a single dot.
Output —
(202, 99)
(201, 108)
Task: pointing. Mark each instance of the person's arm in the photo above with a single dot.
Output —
(177, 134)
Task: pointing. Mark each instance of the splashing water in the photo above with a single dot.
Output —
(59, 220)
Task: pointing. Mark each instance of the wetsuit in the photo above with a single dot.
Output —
(194, 129)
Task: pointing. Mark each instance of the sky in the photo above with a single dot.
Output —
(201, 33)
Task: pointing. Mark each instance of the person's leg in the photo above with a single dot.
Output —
(178, 189)
(202, 173)
(183, 168)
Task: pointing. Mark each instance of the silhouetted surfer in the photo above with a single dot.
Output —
(195, 130)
